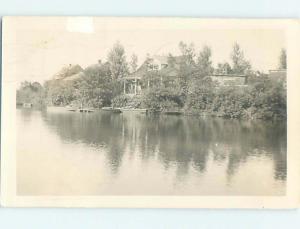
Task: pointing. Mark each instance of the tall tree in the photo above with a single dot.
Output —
(188, 52)
(223, 68)
(204, 62)
(96, 86)
(240, 64)
(133, 62)
(117, 60)
(282, 59)
(30, 92)
(171, 60)
(186, 67)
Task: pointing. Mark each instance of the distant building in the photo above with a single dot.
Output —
(230, 79)
(73, 77)
(278, 75)
(68, 71)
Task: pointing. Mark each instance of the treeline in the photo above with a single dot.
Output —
(191, 90)
(31, 93)
(263, 98)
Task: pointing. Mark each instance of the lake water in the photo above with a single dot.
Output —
(65, 153)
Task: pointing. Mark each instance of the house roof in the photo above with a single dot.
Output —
(162, 59)
(74, 76)
(139, 73)
(280, 73)
(170, 71)
(67, 71)
(74, 72)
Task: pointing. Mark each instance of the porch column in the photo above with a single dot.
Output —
(135, 81)
(124, 87)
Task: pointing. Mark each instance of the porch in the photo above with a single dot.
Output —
(132, 86)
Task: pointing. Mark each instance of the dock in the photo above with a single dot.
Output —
(82, 110)
(137, 110)
(112, 109)
(170, 112)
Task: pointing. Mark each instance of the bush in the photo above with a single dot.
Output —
(120, 101)
(200, 97)
(270, 101)
(263, 98)
(231, 102)
(127, 101)
(162, 98)
(31, 93)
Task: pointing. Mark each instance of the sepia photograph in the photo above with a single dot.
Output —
(147, 107)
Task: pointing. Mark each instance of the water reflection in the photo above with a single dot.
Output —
(187, 145)
(176, 140)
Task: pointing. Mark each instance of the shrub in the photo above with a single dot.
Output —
(231, 102)
(270, 101)
(161, 98)
(120, 101)
(127, 101)
(201, 95)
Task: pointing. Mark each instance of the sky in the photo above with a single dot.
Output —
(38, 47)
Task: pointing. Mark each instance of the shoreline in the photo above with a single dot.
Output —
(145, 111)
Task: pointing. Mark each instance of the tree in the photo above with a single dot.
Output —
(204, 62)
(282, 60)
(201, 95)
(30, 92)
(188, 52)
(96, 88)
(186, 67)
(224, 68)
(60, 92)
(160, 98)
(133, 62)
(240, 64)
(171, 60)
(117, 61)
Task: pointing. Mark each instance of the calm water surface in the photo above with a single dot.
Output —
(65, 153)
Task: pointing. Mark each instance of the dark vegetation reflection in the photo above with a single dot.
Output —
(180, 142)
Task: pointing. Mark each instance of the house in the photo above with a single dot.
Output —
(72, 72)
(163, 65)
(230, 79)
(68, 71)
(73, 77)
(168, 68)
(278, 75)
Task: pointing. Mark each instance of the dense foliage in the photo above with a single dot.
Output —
(127, 101)
(162, 98)
(191, 90)
(96, 88)
(30, 93)
(262, 99)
